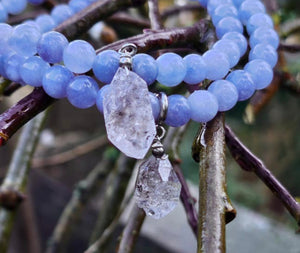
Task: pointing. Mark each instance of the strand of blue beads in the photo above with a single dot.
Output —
(19, 63)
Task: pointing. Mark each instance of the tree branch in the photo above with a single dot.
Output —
(154, 15)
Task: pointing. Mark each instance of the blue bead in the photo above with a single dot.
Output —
(32, 23)
(264, 35)
(61, 12)
(106, 65)
(51, 46)
(229, 48)
(213, 4)
(24, 39)
(33, 70)
(82, 91)
(239, 40)
(222, 11)
(100, 95)
(36, 1)
(261, 73)
(78, 5)
(243, 83)
(145, 66)
(155, 104)
(14, 6)
(217, 64)
(79, 56)
(226, 94)
(195, 69)
(237, 3)
(3, 58)
(259, 20)
(248, 8)
(171, 69)
(5, 33)
(264, 52)
(179, 112)
(203, 105)
(12, 66)
(3, 13)
(203, 2)
(45, 22)
(228, 24)
(55, 81)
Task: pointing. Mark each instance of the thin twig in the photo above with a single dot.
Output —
(154, 15)
(291, 48)
(249, 162)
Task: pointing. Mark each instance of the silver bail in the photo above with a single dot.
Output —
(127, 51)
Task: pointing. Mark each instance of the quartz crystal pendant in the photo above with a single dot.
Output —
(128, 115)
(157, 187)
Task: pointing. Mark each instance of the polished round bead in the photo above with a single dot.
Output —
(179, 112)
(146, 67)
(264, 35)
(155, 105)
(243, 83)
(261, 73)
(36, 1)
(45, 22)
(171, 69)
(229, 48)
(237, 3)
(106, 65)
(259, 20)
(195, 69)
(250, 7)
(61, 12)
(78, 5)
(24, 39)
(3, 13)
(7, 52)
(12, 66)
(51, 46)
(203, 105)
(14, 6)
(217, 64)
(228, 24)
(82, 91)
(222, 11)
(79, 56)
(239, 40)
(213, 4)
(5, 33)
(226, 94)
(32, 23)
(100, 95)
(55, 81)
(264, 52)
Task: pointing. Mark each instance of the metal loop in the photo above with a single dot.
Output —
(160, 132)
(129, 49)
(164, 104)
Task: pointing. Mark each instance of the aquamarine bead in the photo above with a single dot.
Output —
(32, 23)
(45, 22)
(226, 94)
(3, 13)
(12, 65)
(203, 105)
(5, 33)
(155, 105)
(243, 82)
(237, 3)
(79, 56)
(33, 70)
(179, 112)
(36, 1)
(146, 67)
(171, 69)
(78, 5)
(248, 8)
(61, 12)
(239, 40)
(106, 65)
(228, 24)
(229, 48)
(217, 64)
(24, 39)
(55, 81)
(264, 52)
(259, 20)
(14, 6)
(82, 91)
(261, 73)
(222, 11)
(100, 95)
(195, 69)
(264, 35)
(51, 46)
(213, 4)
(7, 52)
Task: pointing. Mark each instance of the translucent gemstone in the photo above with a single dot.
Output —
(249, 8)
(195, 69)
(61, 12)
(237, 3)
(179, 112)
(145, 66)
(157, 187)
(264, 52)
(213, 4)
(106, 65)
(14, 6)
(12, 65)
(155, 105)
(5, 32)
(239, 39)
(217, 64)
(259, 20)
(128, 115)
(45, 22)
(100, 95)
(231, 49)
(226, 94)
(3, 58)
(264, 35)
(222, 11)
(228, 24)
